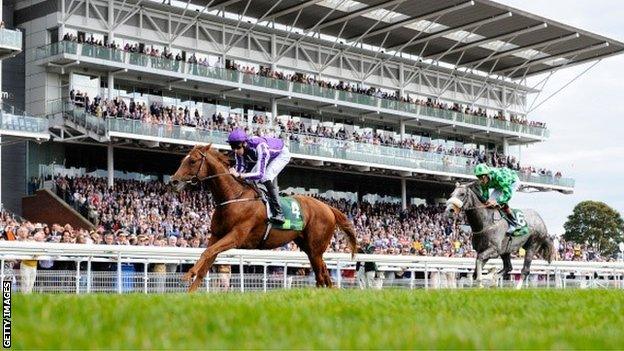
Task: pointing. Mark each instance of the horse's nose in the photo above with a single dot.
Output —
(174, 182)
(450, 210)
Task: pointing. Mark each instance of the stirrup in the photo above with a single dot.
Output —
(279, 219)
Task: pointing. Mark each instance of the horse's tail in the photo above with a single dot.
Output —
(342, 222)
(547, 249)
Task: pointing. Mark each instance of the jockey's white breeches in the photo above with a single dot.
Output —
(497, 193)
(275, 166)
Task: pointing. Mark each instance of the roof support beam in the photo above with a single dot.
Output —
(575, 63)
(291, 9)
(521, 48)
(452, 30)
(552, 57)
(409, 21)
(355, 14)
(223, 4)
(515, 33)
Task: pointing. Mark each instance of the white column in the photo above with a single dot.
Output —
(111, 84)
(402, 129)
(504, 100)
(71, 80)
(273, 111)
(401, 79)
(273, 51)
(111, 21)
(110, 165)
(403, 193)
(505, 146)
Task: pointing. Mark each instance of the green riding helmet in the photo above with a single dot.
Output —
(481, 169)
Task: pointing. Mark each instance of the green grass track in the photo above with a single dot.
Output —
(322, 319)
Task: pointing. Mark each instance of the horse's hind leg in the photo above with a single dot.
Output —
(321, 274)
(506, 257)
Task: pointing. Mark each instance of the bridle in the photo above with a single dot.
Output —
(479, 206)
(196, 179)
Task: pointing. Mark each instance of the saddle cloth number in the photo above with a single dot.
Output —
(294, 208)
(521, 219)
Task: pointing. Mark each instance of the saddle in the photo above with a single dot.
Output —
(290, 207)
(522, 227)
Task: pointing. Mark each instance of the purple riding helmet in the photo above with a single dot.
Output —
(238, 135)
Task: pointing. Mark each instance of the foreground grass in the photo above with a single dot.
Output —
(304, 319)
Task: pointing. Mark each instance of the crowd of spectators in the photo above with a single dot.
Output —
(301, 78)
(288, 129)
(151, 213)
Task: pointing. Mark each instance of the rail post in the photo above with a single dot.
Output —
(426, 276)
(241, 274)
(339, 277)
(285, 275)
(119, 273)
(264, 277)
(412, 279)
(208, 280)
(78, 277)
(89, 275)
(145, 277)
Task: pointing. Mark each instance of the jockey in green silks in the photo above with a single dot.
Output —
(504, 182)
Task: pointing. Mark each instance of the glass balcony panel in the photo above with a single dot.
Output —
(11, 38)
(331, 148)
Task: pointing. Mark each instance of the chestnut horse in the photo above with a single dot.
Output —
(240, 218)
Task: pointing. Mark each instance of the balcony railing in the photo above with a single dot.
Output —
(330, 148)
(16, 120)
(146, 61)
(10, 38)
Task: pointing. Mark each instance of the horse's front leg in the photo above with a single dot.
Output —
(482, 258)
(200, 269)
(526, 268)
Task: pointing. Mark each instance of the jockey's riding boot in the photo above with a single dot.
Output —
(511, 219)
(277, 216)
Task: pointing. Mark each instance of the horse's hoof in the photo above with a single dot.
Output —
(195, 285)
(188, 276)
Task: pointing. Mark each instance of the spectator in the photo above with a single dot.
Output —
(28, 268)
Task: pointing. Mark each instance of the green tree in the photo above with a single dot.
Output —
(596, 223)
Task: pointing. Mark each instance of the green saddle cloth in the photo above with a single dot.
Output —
(522, 227)
(292, 214)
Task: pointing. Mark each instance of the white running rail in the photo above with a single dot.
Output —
(135, 268)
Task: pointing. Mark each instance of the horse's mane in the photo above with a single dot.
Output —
(474, 186)
(223, 159)
(220, 157)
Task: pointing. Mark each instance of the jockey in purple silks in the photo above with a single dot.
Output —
(268, 156)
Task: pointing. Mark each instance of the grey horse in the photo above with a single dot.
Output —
(489, 236)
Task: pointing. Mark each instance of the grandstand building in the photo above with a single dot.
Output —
(451, 76)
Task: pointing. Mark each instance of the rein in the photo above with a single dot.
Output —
(481, 205)
(197, 179)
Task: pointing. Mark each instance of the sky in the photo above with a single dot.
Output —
(585, 119)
